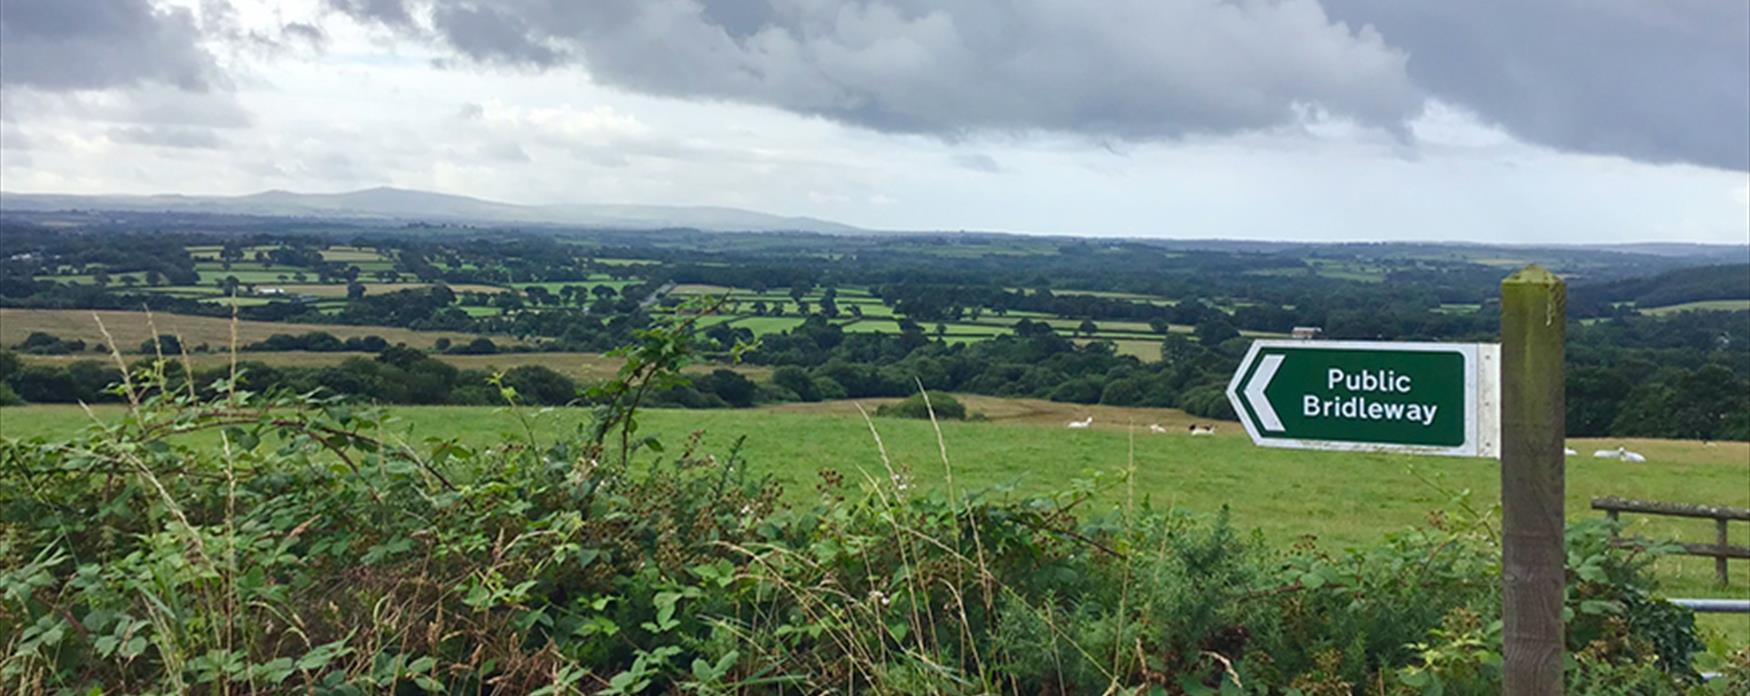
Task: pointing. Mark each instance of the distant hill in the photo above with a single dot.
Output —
(395, 204)
(1724, 282)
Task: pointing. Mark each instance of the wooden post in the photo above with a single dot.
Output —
(1534, 308)
(1720, 560)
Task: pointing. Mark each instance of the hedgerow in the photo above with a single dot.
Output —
(289, 543)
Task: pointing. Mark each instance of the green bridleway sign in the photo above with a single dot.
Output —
(1428, 398)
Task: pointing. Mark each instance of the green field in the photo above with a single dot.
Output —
(347, 254)
(1341, 498)
(1702, 306)
(765, 325)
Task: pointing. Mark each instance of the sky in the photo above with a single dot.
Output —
(1521, 121)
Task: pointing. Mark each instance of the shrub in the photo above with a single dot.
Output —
(39, 343)
(945, 406)
(304, 555)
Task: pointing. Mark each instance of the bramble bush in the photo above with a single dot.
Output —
(225, 541)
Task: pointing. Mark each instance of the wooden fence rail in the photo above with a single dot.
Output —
(1720, 550)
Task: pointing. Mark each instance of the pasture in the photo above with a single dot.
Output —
(1341, 499)
(1133, 338)
(1702, 306)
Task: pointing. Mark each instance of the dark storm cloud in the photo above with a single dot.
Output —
(1658, 81)
(486, 34)
(1129, 68)
(58, 45)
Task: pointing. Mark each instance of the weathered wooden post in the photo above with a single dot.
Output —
(1533, 429)
(1720, 576)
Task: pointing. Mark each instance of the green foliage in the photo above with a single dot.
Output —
(943, 407)
(305, 554)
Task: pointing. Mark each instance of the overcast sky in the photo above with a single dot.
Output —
(1483, 120)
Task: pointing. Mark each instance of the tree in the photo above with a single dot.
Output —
(355, 290)
(1088, 327)
(1215, 330)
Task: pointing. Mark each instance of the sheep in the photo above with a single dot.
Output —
(1621, 453)
(1202, 429)
(1081, 424)
(1156, 428)
(1569, 451)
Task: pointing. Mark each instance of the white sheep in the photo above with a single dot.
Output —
(1569, 451)
(1202, 430)
(1621, 453)
(1081, 424)
(1156, 428)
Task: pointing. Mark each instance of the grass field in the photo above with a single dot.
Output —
(765, 325)
(1703, 306)
(133, 328)
(351, 254)
(584, 367)
(1342, 498)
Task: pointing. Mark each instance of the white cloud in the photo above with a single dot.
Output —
(371, 108)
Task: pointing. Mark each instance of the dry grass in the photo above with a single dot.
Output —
(132, 328)
(588, 367)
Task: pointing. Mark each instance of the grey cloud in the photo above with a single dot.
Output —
(1656, 81)
(392, 13)
(168, 136)
(486, 34)
(1122, 68)
(100, 44)
(977, 162)
(307, 34)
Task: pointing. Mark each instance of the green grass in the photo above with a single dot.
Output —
(873, 326)
(765, 325)
(587, 284)
(254, 273)
(1284, 493)
(1702, 306)
(1343, 499)
(349, 254)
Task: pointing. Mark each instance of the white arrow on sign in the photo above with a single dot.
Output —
(1255, 392)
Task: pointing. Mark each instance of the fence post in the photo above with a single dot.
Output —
(1720, 560)
(1533, 434)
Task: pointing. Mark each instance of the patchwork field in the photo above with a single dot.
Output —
(1705, 305)
(1132, 338)
(130, 329)
(584, 367)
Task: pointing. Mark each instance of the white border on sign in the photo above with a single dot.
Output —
(1481, 397)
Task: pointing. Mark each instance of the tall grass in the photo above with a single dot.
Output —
(312, 551)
